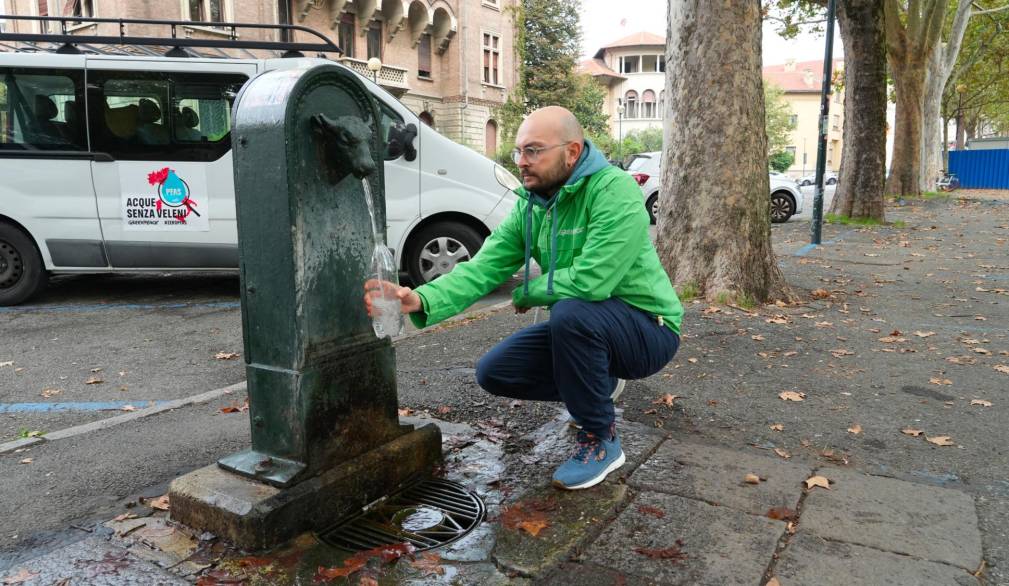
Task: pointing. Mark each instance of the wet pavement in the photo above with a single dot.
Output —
(894, 352)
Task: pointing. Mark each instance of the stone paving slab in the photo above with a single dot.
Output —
(716, 475)
(94, 562)
(570, 516)
(925, 522)
(722, 546)
(812, 560)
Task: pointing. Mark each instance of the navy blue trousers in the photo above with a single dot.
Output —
(577, 356)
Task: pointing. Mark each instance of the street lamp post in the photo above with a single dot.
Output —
(620, 133)
(374, 66)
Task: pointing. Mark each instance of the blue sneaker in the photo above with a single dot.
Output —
(592, 461)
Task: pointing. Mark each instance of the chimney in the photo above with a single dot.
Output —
(807, 76)
(790, 64)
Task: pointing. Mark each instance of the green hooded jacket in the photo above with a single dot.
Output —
(592, 237)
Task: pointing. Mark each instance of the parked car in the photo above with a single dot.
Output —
(829, 178)
(786, 197)
(77, 156)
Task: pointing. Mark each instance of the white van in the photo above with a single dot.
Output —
(82, 135)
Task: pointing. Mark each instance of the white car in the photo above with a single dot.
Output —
(829, 178)
(77, 160)
(786, 197)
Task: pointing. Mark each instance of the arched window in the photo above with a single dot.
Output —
(427, 118)
(490, 139)
(631, 104)
(648, 104)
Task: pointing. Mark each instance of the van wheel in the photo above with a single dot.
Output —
(436, 249)
(21, 271)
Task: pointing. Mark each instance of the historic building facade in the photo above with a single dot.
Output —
(450, 61)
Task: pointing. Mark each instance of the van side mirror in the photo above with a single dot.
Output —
(400, 143)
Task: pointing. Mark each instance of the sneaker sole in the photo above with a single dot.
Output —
(601, 477)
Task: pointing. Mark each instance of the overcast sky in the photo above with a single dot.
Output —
(604, 21)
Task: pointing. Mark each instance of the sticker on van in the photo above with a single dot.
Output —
(169, 206)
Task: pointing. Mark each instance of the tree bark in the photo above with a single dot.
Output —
(714, 229)
(906, 161)
(863, 161)
(909, 48)
(960, 130)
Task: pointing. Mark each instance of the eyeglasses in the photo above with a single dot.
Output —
(533, 153)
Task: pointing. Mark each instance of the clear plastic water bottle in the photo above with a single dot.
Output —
(386, 307)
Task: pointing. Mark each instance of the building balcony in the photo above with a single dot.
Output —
(393, 79)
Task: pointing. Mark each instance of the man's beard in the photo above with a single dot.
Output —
(557, 178)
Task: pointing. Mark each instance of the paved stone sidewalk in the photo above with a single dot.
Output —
(677, 513)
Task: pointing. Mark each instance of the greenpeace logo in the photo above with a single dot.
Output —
(571, 231)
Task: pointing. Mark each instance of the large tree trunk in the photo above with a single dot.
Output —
(714, 231)
(906, 162)
(863, 161)
(931, 129)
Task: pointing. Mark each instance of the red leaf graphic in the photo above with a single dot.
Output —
(157, 177)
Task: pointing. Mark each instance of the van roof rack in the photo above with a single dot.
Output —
(177, 46)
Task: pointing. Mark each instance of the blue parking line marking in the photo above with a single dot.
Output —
(114, 306)
(79, 406)
(805, 249)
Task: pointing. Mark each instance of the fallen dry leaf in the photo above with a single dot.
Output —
(1002, 368)
(757, 338)
(712, 309)
(824, 324)
(820, 294)
(777, 427)
(160, 503)
(838, 353)
(780, 514)
(777, 319)
(124, 517)
(654, 512)
(226, 355)
(7, 363)
(429, 563)
(94, 381)
(940, 381)
(820, 481)
(692, 360)
(349, 567)
(96, 369)
(667, 553)
(782, 453)
(25, 461)
(855, 429)
(892, 339)
(751, 479)
(792, 396)
(127, 408)
(980, 402)
(924, 334)
(444, 410)
(22, 576)
(405, 412)
(980, 350)
(940, 440)
(911, 432)
(961, 360)
(533, 526)
(46, 393)
(666, 400)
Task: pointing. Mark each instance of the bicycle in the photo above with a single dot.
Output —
(948, 182)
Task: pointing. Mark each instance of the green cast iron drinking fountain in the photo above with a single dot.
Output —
(326, 438)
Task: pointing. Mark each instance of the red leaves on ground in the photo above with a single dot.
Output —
(647, 510)
(236, 408)
(781, 514)
(387, 553)
(529, 516)
(672, 553)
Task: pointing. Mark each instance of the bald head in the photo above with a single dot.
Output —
(557, 122)
(551, 140)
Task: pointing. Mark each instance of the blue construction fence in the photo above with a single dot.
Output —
(981, 169)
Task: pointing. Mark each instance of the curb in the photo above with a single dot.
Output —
(124, 418)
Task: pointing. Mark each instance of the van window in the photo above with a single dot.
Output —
(388, 118)
(41, 110)
(162, 116)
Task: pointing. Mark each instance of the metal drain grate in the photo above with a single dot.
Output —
(428, 514)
